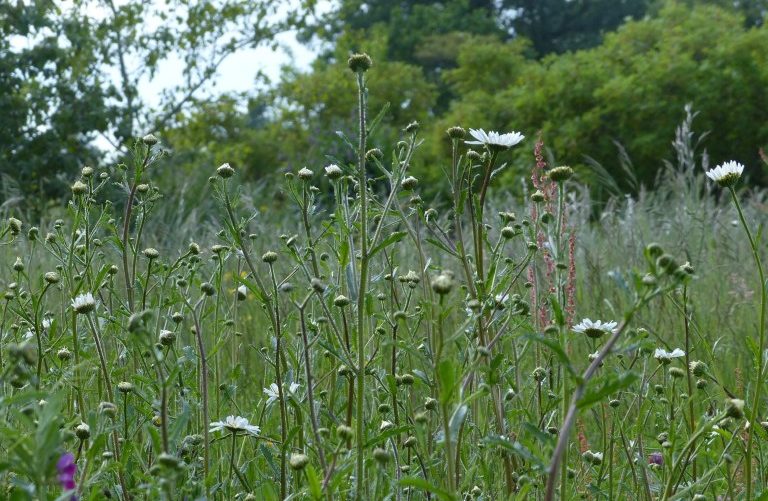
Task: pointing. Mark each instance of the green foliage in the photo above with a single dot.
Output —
(645, 73)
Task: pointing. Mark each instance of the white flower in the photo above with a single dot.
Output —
(235, 424)
(84, 303)
(665, 356)
(386, 425)
(598, 456)
(726, 174)
(595, 329)
(494, 139)
(274, 394)
(47, 323)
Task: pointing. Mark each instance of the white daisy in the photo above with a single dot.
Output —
(726, 174)
(665, 357)
(274, 394)
(235, 424)
(84, 303)
(495, 140)
(595, 329)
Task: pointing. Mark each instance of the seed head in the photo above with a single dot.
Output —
(151, 253)
(341, 301)
(14, 225)
(333, 171)
(225, 171)
(442, 284)
(149, 140)
(269, 257)
(409, 183)
(560, 174)
(79, 188)
(207, 289)
(344, 431)
(412, 127)
(299, 461)
(538, 196)
(359, 63)
(734, 408)
(124, 387)
(64, 354)
(456, 132)
(698, 368)
(83, 431)
(52, 277)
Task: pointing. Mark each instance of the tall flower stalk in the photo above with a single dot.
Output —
(726, 176)
(359, 64)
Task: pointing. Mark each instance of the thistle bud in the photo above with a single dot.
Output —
(359, 63)
(83, 431)
(456, 132)
(225, 171)
(298, 461)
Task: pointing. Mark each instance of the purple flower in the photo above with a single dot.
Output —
(67, 469)
(656, 458)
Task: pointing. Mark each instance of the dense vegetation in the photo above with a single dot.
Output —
(363, 344)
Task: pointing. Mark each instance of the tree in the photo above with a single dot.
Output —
(631, 89)
(58, 67)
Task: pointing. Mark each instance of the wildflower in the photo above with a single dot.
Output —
(67, 469)
(84, 303)
(456, 132)
(83, 431)
(344, 431)
(333, 171)
(495, 140)
(274, 394)
(698, 368)
(381, 455)
(235, 424)
(442, 284)
(360, 63)
(656, 458)
(149, 140)
(595, 329)
(225, 171)
(151, 253)
(52, 277)
(726, 174)
(734, 408)
(298, 461)
(561, 173)
(242, 293)
(386, 425)
(167, 337)
(79, 188)
(341, 301)
(14, 225)
(665, 357)
(305, 174)
(409, 183)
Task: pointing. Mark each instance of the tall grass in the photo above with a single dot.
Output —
(359, 343)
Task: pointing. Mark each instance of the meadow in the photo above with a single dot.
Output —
(368, 343)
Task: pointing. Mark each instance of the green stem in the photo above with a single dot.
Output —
(761, 347)
(361, 317)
